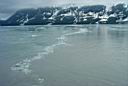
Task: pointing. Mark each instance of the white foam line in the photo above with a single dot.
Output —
(77, 32)
(41, 80)
(34, 35)
(24, 65)
(118, 29)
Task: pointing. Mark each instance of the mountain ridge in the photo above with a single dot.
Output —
(92, 14)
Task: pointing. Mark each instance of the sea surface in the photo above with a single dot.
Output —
(65, 55)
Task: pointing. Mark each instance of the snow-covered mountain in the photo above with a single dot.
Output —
(70, 15)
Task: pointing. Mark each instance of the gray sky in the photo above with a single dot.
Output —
(8, 7)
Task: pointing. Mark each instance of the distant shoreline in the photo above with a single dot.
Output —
(62, 25)
(72, 15)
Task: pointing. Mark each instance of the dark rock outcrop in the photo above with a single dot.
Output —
(2, 22)
(112, 20)
(64, 20)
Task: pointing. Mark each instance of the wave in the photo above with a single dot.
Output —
(77, 32)
(34, 36)
(119, 28)
(24, 65)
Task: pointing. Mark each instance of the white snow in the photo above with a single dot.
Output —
(26, 19)
(85, 20)
(68, 14)
(113, 15)
(126, 19)
(103, 20)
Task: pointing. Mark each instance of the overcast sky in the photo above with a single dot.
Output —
(8, 7)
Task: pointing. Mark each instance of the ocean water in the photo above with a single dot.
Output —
(67, 55)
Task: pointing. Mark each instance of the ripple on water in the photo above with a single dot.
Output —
(24, 66)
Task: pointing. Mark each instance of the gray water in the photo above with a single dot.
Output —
(68, 55)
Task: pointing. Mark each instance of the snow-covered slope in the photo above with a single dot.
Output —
(70, 15)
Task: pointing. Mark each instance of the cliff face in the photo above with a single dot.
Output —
(71, 15)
